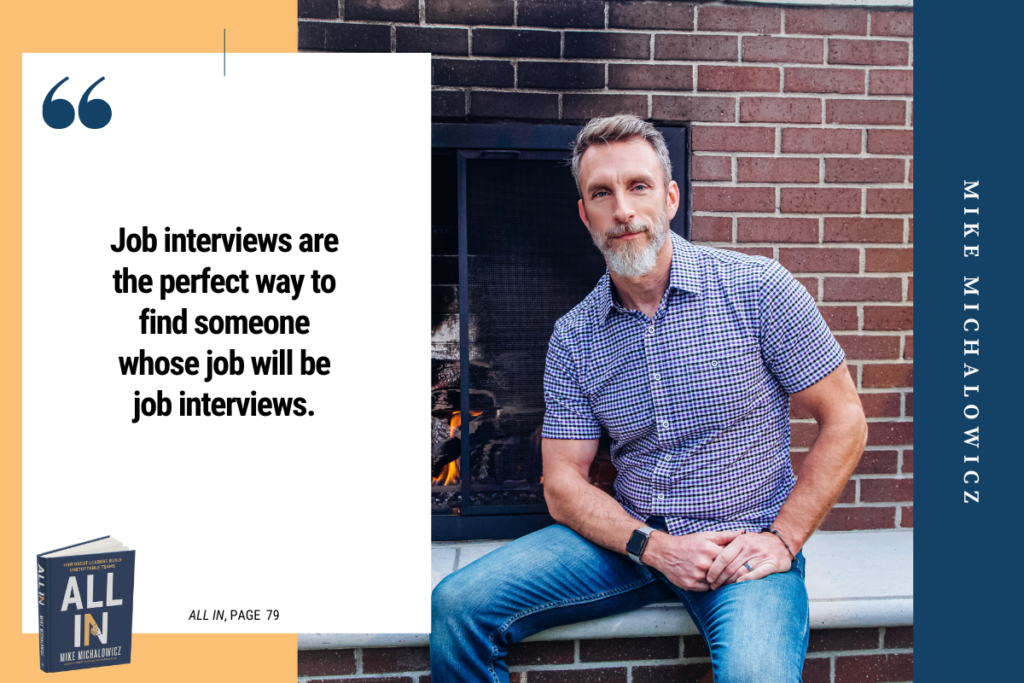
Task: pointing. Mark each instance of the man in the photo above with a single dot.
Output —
(689, 357)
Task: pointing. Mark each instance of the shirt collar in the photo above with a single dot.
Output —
(684, 274)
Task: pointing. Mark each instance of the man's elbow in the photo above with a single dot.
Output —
(564, 491)
(553, 496)
(859, 434)
(848, 428)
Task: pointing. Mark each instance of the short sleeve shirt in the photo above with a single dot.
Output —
(696, 400)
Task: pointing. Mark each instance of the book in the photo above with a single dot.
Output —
(85, 605)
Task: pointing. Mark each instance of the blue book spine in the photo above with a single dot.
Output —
(43, 598)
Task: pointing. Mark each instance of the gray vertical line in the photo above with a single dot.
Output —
(225, 52)
(464, 366)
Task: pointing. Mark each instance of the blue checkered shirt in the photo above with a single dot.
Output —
(696, 400)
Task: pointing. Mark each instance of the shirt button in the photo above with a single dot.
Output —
(657, 376)
(664, 424)
(650, 330)
(714, 363)
(661, 496)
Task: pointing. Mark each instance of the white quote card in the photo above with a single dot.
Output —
(316, 506)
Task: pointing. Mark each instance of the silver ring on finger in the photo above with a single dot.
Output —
(748, 567)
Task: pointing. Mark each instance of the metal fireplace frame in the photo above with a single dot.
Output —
(518, 141)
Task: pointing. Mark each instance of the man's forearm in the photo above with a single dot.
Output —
(588, 510)
(827, 468)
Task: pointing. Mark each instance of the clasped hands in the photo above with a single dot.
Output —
(711, 559)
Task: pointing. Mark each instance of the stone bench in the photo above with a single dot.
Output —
(854, 579)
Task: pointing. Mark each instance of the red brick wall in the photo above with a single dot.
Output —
(802, 130)
(802, 137)
(834, 656)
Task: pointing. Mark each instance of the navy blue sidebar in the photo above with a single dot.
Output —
(968, 496)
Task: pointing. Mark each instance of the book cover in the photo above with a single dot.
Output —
(85, 606)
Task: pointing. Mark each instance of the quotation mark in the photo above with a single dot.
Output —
(61, 113)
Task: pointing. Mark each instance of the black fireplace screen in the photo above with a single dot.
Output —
(510, 256)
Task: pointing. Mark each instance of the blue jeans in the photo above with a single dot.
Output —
(756, 630)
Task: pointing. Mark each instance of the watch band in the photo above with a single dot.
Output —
(638, 543)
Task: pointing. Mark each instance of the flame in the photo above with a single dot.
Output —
(450, 474)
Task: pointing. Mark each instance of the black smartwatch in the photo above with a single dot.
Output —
(638, 543)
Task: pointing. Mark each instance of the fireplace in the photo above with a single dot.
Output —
(509, 257)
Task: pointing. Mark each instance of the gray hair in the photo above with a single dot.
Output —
(608, 129)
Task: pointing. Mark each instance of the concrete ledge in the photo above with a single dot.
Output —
(854, 579)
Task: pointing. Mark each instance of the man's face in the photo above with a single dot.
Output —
(626, 205)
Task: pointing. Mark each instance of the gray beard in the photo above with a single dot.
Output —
(633, 259)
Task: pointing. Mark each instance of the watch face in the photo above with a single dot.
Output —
(636, 543)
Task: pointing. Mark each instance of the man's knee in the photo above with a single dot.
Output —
(447, 603)
(459, 601)
(749, 663)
